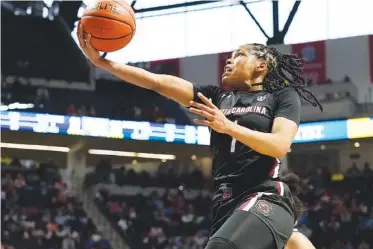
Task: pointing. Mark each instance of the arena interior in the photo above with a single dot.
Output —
(90, 162)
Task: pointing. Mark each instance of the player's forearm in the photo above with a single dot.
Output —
(170, 86)
(269, 144)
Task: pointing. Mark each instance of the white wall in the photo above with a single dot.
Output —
(343, 56)
(350, 56)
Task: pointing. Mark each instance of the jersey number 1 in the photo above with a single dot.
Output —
(233, 144)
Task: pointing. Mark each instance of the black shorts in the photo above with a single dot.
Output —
(257, 224)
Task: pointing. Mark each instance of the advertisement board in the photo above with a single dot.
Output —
(170, 133)
(371, 57)
(105, 128)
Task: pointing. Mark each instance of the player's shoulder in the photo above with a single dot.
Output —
(215, 93)
(286, 93)
(210, 88)
(220, 91)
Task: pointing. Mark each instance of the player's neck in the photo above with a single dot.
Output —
(254, 85)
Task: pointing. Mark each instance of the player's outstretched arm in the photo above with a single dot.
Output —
(170, 86)
(298, 241)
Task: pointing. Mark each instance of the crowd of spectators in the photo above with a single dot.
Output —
(338, 210)
(166, 210)
(37, 211)
(339, 213)
(166, 176)
(167, 220)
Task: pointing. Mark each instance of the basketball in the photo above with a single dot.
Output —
(111, 24)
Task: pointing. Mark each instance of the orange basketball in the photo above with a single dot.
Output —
(111, 24)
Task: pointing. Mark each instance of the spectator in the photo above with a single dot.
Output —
(354, 170)
(158, 115)
(137, 113)
(42, 97)
(189, 215)
(92, 111)
(367, 171)
(82, 111)
(71, 110)
(68, 242)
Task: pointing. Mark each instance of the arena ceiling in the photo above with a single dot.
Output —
(149, 8)
(146, 8)
(142, 6)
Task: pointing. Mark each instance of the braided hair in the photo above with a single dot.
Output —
(283, 71)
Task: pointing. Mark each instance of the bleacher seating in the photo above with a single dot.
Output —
(338, 214)
(166, 221)
(37, 211)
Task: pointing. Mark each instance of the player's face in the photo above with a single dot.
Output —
(242, 68)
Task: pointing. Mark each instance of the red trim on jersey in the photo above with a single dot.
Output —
(280, 188)
(248, 202)
(275, 169)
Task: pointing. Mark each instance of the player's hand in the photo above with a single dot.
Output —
(85, 43)
(214, 117)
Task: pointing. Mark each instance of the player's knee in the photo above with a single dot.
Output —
(220, 243)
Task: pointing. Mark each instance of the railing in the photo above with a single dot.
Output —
(102, 223)
(90, 207)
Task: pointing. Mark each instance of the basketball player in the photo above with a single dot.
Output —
(251, 127)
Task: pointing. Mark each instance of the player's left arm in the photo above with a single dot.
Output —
(285, 126)
(275, 144)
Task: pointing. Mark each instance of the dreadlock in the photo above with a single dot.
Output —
(284, 71)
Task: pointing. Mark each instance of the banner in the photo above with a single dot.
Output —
(103, 127)
(371, 57)
(360, 128)
(315, 55)
(169, 133)
(222, 59)
(321, 131)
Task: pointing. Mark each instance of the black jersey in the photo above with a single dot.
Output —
(237, 170)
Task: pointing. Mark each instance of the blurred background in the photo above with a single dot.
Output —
(90, 162)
